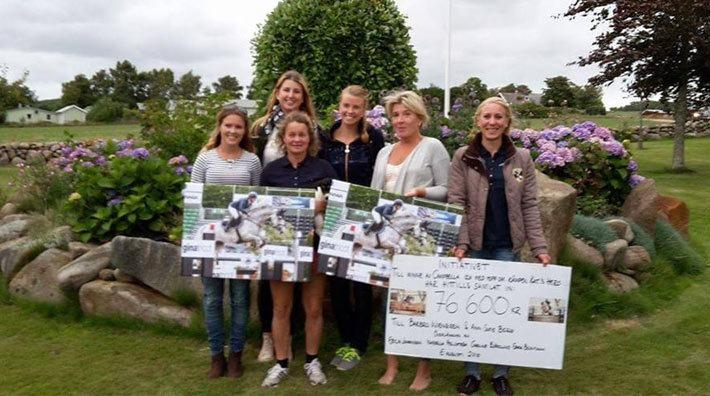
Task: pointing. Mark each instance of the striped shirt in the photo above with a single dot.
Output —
(210, 168)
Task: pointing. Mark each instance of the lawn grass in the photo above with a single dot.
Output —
(55, 133)
(616, 120)
(665, 351)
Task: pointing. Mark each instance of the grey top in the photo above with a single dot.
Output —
(210, 168)
(427, 166)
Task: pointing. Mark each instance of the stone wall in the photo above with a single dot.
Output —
(695, 128)
(15, 153)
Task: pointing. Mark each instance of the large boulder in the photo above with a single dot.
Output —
(84, 269)
(37, 281)
(622, 229)
(614, 253)
(583, 252)
(79, 248)
(112, 299)
(620, 283)
(677, 213)
(636, 258)
(556, 201)
(13, 217)
(8, 209)
(641, 206)
(13, 230)
(13, 255)
(156, 264)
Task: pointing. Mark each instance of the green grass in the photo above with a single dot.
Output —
(664, 351)
(616, 120)
(31, 134)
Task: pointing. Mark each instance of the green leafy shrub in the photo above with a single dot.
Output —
(671, 246)
(41, 187)
(106, 110)
(334, 44)
(593, 231)
(589, 158)
(134, 194)
(531, 110)
(183, 130)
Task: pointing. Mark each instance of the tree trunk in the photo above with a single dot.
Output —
(681, 114)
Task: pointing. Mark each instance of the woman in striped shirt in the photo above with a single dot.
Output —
(227, 158)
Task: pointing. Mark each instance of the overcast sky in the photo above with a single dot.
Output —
(500, 42)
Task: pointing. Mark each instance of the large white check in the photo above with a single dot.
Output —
(478, 310)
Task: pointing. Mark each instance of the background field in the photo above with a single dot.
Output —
(32, 134)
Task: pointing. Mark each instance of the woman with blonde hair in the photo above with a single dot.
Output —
(415, 165)
(227, 158)
(351, 146)
(495, 183)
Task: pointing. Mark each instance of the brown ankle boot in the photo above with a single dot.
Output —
(218, 367)
(234, 365)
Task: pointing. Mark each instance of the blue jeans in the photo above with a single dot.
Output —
(212, 304)
(503, 254)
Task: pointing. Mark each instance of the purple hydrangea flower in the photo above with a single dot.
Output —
(188, 169)
(635, 180)
(179, 160)
(100, 160)
(87, 164)
(114, 201)
(125, 144)
(140, 153)
(179, 170)
(456, 107)
(445, 131)
(633, 166)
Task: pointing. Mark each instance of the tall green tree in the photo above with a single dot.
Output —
(334, 44)
(188, 86)
(78, 92)
(228, 84)
(14, 93)
(513, 88)
(657, 47)
(559, 92)
(126, 84)
(101, 84)
(158, 83)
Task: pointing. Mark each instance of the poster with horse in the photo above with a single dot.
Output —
(364, 228)
(247, 232)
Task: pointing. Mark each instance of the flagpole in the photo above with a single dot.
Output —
(447, 90)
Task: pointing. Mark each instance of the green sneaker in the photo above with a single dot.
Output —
(349, 359)
(339, 355)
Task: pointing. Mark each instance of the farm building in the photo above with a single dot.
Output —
(34, 115)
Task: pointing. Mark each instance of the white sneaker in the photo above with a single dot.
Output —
(275, 375)
(314, 372)
(266, 354)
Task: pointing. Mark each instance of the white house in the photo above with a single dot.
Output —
(71, 114)
(29, 115)
(520, 98)
(33, 115)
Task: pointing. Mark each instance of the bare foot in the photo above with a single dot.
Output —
(423, 377)
(388, 377)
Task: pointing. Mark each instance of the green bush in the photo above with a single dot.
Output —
(334, 44)
(182, 131)
(671, 246)
(134, 194)
(106, 110)
(593, 231)
(41, 187)
(530, 110)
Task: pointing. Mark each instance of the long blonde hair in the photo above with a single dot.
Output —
(306, 106)
(359, 92)
(215, 138)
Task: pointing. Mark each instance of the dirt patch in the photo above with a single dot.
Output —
(618, 324)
